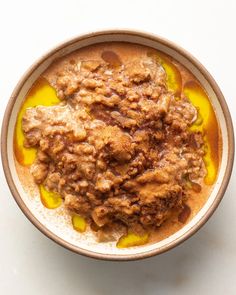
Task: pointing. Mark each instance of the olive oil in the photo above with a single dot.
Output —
(207, 124)
(42, 93)
(131, 240)
(79, 223)
(49, 199)
(174, 80)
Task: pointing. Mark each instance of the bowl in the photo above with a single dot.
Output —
(59, 230)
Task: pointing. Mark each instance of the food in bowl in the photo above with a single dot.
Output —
(124, 137)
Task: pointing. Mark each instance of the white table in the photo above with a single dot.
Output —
(32, 264)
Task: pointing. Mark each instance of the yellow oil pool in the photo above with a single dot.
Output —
(131, 240)
(49, 199)
(42, 93)
(174, 80)
(79, 223)
(207, 124)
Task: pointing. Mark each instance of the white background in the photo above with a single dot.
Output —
(32, 264)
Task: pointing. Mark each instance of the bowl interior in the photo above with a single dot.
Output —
(54, 222)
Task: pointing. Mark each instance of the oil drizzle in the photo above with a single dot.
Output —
(207, 124)
(49, 199)
(174, 79)
(131, 240)
(41, 93)
(79, 223)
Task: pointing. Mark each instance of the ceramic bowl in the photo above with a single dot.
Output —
(56, 226)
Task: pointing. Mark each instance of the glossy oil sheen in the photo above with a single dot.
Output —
(78, 223)
(207, 124)
(42, 93)
(174, 80)
(49, 199)
(131, 240)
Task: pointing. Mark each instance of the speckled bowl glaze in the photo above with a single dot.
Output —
(55, 224)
